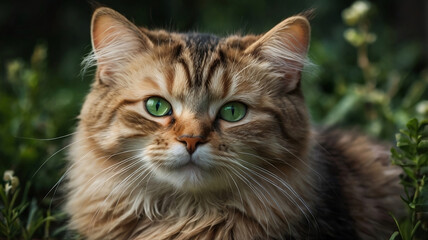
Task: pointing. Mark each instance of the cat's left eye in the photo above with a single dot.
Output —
(158, 107)
(233, 111)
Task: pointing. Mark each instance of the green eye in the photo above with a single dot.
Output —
(233, 111)
(158, 107)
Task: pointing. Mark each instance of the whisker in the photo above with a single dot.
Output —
(304, 162)
(252, 188)
(256, 192)
(129, 183)
(44, 163)
(269, 161)
(120, 172)
(64, 175)
(113, 191)
(237, 188)
(286, 185)
(149, 174)
(116, 165)
(47, 139)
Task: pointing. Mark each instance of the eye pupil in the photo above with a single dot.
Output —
(233, 110)
(157, 105)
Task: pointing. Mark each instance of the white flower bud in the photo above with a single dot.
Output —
(8, 175)
(361, 8)
(15, 183)
(353, 37)
(422, 108)
(356, 12)
(7, 188)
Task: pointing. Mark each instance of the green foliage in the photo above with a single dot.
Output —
(21, 220)
(412, 157)
(34, 112)
(378, 96)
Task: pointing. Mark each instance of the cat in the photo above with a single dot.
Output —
(192, 136)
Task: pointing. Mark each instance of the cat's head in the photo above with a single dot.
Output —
(195, 111)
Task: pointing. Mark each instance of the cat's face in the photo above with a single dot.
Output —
(195, 111)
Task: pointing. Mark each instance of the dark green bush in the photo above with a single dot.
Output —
(412, 157)
(33, 115)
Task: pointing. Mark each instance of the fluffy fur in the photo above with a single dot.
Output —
(268, 176)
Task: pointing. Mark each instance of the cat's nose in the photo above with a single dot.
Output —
(191, 142)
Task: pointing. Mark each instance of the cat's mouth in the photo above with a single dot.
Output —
(191, 163)
(186, 171)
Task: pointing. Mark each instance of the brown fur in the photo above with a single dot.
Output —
(267, 176)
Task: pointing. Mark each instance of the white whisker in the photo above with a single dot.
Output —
(48, 139)
(44, 163)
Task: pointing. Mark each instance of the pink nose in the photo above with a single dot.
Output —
(191, 142)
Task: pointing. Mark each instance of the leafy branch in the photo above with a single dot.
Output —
(412, 157)
(12, 214)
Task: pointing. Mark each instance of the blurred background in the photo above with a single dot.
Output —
(370, 70)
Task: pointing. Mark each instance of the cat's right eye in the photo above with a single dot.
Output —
(158, 107)
(233, 111)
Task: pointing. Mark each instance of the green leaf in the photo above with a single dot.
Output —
(424, 162)
(40, 221)
(402, 228)
(342, 108)
(394, 235)
(4, 198)
(33, 210)
(14, 197)
(410, 173)
(25, 193)
(402, 140)
(3, 228)
(414, 94)
(415, 228)
(24, 233)
(423, 146)
(405, 200)
(413, 126)
(405, 132)
(423, 124)
(395, 154)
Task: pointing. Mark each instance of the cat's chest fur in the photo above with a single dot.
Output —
(191, 136)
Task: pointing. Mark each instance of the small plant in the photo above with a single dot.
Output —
(412, 157)
(34, 125)
(368, 87)
(20, 220)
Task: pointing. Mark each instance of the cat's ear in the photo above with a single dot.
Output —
(115, 40)
(285, 46)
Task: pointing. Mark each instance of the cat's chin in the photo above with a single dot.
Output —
(187, 177)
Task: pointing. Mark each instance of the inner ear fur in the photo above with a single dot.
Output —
(285, 46)
(115, 40)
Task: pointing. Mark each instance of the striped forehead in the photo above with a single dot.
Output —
(200, 50)
(195, 68)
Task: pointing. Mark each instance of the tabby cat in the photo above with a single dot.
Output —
(192, 136)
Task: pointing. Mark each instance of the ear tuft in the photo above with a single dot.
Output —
(285, 46)
(115, 40)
